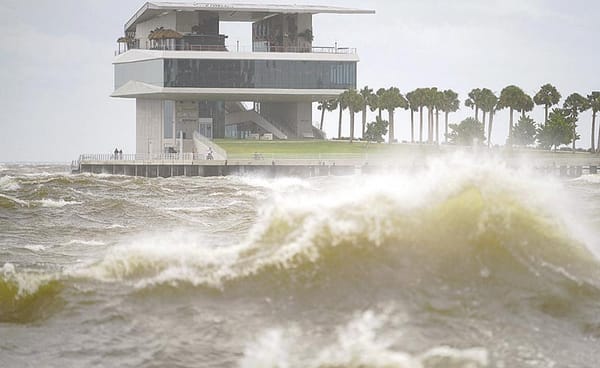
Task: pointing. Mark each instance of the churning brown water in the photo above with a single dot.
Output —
(465, 264)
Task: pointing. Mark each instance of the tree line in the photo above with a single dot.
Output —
(558, 128)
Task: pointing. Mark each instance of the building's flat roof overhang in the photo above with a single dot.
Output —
(233, 12)
(134, 89)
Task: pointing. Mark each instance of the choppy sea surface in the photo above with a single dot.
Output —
(463, 264)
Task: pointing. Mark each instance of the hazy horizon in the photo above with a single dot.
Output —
(57, 75)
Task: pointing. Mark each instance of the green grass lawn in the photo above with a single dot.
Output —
(316, 147)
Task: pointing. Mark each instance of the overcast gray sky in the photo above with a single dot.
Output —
(56, 72)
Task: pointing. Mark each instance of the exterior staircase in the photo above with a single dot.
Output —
(234, 106)
(203, 145)
(256, 118)
(318, 133)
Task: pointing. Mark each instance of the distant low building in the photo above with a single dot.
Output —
(187, 79)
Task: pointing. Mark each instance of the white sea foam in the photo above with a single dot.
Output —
(101, 175)
(40, 174)
(27, 283)
(116, 226)
(217, 194)
(8, 184)
(85, 242)
(286, 184)
(44, 176)
(8, 269)
(359, 343)
(188, 209)
(591, 179)
(52, 203)
(257, 194)
(35, 247)
(162, 258)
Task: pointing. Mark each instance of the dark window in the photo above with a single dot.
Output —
(281, 74)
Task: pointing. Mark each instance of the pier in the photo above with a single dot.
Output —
(277, 165)
(171, 165)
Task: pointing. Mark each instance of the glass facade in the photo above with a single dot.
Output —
(147, 71)
(278, 74)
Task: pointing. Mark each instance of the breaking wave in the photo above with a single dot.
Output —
(464, 224)
(7, 201)
(8, 184)
(26, 297)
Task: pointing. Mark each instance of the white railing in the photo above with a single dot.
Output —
(253, 157)
(246, 49)
(142, 157)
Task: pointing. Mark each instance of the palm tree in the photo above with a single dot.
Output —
(511, 97)
(574, 105)
(450, 103)
(392, 99)
(439, 104)
(366, 94)
(421, 97)
(354, 102)
(326, 105)
(491, 123)
(547, 96)
(375, 103)
(474, 101)
(429, 101)
(342, 105)
(488, 106)
(425, 97)
(594, 99)
(526, 104)
(413, 104)
(484, 98)
(321, 106)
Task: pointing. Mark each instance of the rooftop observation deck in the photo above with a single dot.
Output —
(169, 26)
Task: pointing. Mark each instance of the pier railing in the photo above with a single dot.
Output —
(257, 157)
(141, 157)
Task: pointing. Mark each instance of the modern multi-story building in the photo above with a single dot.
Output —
(188, 81)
